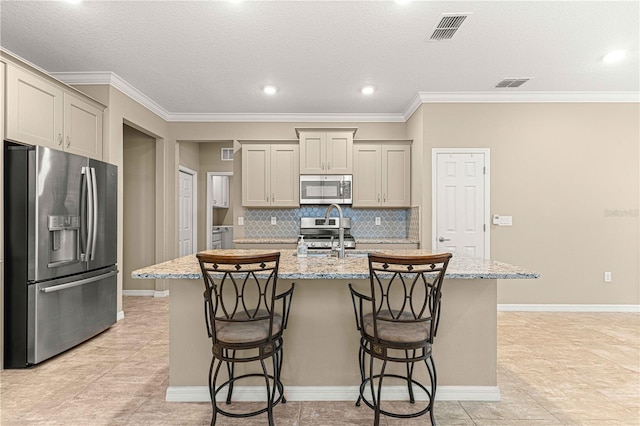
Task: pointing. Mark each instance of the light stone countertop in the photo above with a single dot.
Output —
(292, 267)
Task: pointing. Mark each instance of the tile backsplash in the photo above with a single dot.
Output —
(394, 223)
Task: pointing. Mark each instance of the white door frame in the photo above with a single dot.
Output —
(487, 190)
(194, 200)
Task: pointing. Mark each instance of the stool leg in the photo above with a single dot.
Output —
(212, 389)
(361, 361)
(230, 371)
(377, 400)
(431, 368)
(280, 357)
(410, 376)
(269, 394)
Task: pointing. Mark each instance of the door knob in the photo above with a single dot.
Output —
(443, 239)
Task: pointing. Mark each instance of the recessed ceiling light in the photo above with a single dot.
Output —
(270, 90)
(367, 90)
(615, 56)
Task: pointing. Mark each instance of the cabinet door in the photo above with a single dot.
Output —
(367, 176)
(313, 152)
(339, 153)
(285, 171)
(256, 175)
(216, 191)
(82, 127)
(224, 191)
(396, 175)
(34, 109)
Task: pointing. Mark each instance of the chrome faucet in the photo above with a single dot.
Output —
(341, 228)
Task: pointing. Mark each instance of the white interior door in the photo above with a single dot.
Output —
(461, 201)
(186, 201)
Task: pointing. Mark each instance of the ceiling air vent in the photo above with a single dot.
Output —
(447, 26)
(511, 82)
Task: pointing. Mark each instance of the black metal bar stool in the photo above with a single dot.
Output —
(398, 321)
(245, 320)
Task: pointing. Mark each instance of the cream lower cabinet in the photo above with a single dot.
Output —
(382, 175)
(270, 175)
(326, 153)
(39, 112)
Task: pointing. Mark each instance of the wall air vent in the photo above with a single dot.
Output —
(511, 82)
(447, 26)
(226, 154)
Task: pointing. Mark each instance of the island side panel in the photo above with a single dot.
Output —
(465, 349)
(321, 342)
(189, 345)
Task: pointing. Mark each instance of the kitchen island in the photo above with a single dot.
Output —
(321, 341)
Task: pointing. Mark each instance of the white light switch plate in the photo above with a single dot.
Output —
(240, 220)
(273, 220)
(378, 221)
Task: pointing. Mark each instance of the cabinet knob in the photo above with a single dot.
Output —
(384, 198)
(68, 141)
(59, 138)
(328, 166)
(378, 197)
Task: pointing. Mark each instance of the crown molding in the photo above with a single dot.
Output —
(86, 78)
(523, 97)
(282, 118)
(107, 77)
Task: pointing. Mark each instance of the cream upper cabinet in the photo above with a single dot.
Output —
(82, 127)
(328, 152)
(382, 175)
(34, 109)
(39, 112)
(270, 175)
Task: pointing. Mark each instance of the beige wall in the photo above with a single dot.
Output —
(558, 169)
(121, 109)
(139, 206)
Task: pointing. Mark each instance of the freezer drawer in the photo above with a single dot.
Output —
(64, 313)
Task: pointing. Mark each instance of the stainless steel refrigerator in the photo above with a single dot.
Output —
(60, 251)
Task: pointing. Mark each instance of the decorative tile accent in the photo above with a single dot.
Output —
(393, 222)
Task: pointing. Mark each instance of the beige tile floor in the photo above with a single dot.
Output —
(553, 369)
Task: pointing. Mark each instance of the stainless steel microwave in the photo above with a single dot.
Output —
(326, 189)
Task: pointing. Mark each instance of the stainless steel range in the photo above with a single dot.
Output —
(320, 235)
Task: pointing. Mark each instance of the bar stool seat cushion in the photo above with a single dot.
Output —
(245, 331)
(399, 332)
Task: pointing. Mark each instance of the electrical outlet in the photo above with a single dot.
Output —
(607, 277)
(240, 220)
(378, 221)
(273, 220)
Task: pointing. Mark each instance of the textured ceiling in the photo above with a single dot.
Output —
(214, 56)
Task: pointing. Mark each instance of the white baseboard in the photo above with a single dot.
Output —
(120, 315)
(147, 293)
(526, 307)
(333, 393)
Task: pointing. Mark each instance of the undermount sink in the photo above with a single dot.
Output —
(335, 254)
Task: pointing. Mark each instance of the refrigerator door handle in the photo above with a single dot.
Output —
(88, 213)
(78, 283)
(95, 212)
